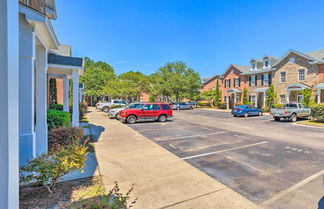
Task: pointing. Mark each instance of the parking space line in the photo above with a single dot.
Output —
(183, 137)
(225, 150)
(292, 188)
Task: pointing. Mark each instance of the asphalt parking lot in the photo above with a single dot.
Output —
(273, 164)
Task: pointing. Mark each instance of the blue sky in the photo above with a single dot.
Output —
(208, 35)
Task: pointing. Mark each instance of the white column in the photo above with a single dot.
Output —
(318, 96)
(66, 88)
(264, 99)
(75, 112)
(287, 96)
(9, 94)
(256, 100)
(227, 102)
(235, 99)
(41, 100)
(27, 146)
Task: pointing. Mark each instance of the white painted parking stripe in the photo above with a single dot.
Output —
(183, 137)
(225, 150)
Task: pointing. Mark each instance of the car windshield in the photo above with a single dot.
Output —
(183, 103)
(131, 106)
(139, 106)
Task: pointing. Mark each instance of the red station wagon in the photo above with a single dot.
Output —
(146, 112)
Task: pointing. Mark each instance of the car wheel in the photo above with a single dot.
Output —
(191, 108)
(116, 116)
(131, 119)
(235, 115)
(293, 118)
(162, 118)
(276, 118)
(246, 115)
(178, 108)
(260, 113)
(105, 109)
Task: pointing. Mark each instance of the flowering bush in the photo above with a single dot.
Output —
(222, 105)
(47, 169)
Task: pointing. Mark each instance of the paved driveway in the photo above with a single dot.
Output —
(265, 161)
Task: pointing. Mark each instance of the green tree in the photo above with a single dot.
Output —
(271, 99)
(52, 91)
(218, 93)
(96, 75)
(176, 80)
(307, 93)
(245, 97)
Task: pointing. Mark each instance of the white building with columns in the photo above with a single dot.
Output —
(26, 37)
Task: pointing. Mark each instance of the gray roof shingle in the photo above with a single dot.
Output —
(319, 54)
(64, 60)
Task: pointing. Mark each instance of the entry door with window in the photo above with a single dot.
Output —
(300, 97)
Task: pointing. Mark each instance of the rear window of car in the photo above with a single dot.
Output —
(165, 107)
(291, 105)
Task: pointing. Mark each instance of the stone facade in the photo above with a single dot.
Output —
(291, 66)
(321, 73)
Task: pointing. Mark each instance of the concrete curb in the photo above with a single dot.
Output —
(160, 179)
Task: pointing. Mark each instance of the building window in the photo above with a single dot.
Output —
(252, 99)
(282, 77)
(253, 66)
(266, 79)
(253, 78)
(292, 59)
(227, 83)
(236, 82)
(266, 63)
(282, 99)
(301, 74)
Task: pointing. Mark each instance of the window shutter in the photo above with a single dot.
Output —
(229, 83)
(262, 78)
(270, 78)
(249, 80)
(239, 82)
(256, 80)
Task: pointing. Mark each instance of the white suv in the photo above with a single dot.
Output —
(105, 106)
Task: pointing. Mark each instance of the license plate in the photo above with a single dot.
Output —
(276, 115)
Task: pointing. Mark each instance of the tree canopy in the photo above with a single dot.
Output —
(175, 80)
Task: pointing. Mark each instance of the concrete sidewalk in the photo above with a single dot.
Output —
(160, 179)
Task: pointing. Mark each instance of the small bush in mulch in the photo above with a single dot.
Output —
(63, 137)
(64, 193)
(318, 112)
(56, 107)
(47, 169)
(222, 105)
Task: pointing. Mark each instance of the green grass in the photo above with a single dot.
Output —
(86, 126)
(84, 120)
(312, 122)
(89, 191)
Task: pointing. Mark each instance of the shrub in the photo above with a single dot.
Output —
(85, 104)
(318, 112)
(307, 93)
(63, 137)
(266, 109)
(82, 111)
(113, 200)
(238, 104)
(47, 169)
(277, 106)
(222, 105)
(204, 104)
(57, 119)
(56, 107)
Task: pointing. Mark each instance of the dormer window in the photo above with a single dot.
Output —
(266, 63)
(253, 66)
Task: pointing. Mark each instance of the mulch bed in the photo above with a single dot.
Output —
(39, 197)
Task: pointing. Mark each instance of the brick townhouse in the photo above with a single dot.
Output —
(210, 83)
(289, 75)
